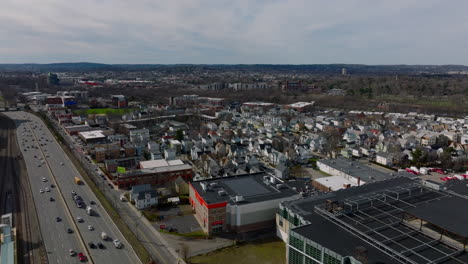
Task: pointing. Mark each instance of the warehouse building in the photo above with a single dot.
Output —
(95, 136)
(354, 172)
(155, 172)
(241, 203)
(392, 221)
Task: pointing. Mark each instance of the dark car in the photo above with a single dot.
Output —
(92, 202)
(69, 230)
(100, 245)
(58, 219)
(51, 199)
(91, 245)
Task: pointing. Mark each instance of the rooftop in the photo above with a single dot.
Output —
(335, 182)
(301, 104)
(357, 169)
(252, 188)
(92, 134)
(387, 214)
(345, 246)
(159, 163)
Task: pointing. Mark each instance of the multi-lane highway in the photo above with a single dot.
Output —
(151, 239)
(52, 175)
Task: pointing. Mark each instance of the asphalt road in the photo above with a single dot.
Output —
(59, 170)
(155, 244)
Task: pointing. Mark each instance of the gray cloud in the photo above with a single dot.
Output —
(243, 31)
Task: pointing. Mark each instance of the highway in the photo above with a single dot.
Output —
(45, 159)
(151, 239)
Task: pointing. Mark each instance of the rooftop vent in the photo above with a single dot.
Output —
(222, 193)
(239, 198)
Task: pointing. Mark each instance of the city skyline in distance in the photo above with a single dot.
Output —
(240, 32)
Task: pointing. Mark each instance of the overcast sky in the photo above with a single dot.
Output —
(235, 31)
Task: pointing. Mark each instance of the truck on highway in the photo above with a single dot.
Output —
(89, 210)
(104, 236)
(78, 180)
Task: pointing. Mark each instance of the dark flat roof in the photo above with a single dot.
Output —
(251, 187)
(331, 236)
(305, 207)
(449, 213)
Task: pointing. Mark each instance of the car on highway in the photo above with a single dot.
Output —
(41, 191)
(69, 230)
(90, 228)
(47, 189)
(72, 252)
(44, 179)
(92, 202)
(39, 165)
(91, 245)
(51, 199)
(61, 163)
(79, 219)
(100, 245)
(58, 219)
(82, 257)
(73, 193)
(52, 186)
(117, 243)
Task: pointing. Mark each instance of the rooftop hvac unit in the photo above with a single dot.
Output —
(239, 198)
(222, 193)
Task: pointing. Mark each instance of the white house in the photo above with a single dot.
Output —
(143, 196)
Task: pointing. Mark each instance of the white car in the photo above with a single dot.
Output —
(47, 189)
(61, 163)
(72, 252)
(41, 191)
(79, 219)
(44, 179)
(117, 243)
(90, 228)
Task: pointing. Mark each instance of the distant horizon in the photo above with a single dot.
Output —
(248, 64)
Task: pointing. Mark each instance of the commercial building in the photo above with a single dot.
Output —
(240, 203)
(301, 106)
(139, 136)
(92, 136)
(392, 221)
(154, 172)
(119, 101)
(7, 240)
(354, 172)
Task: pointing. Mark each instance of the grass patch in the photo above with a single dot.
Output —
(271, 252)
(150, 215)
(141, 252)
(196, 234)
(95, 111)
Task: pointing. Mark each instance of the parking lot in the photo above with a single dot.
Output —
(179, 219)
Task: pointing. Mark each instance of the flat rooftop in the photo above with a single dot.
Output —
(95, 134)
(446, 214)
(301, 104)
(327, 233)
(149, 164)
(255, 187)
(357, 169)
(335, 182)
